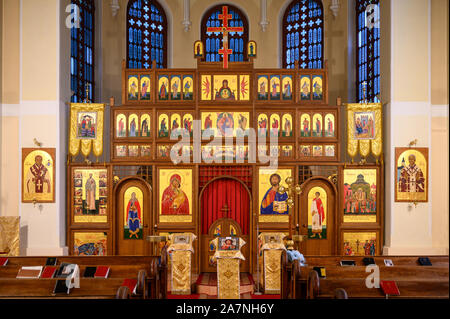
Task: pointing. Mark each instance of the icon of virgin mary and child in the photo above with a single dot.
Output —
(174, 200)
(273, 202)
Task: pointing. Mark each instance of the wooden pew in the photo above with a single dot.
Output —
(406, 271)
(150, 271)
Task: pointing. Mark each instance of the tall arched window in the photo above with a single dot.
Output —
(303, 34)
(368, 50)
(82, 50)
(213, 40)
(146, 34)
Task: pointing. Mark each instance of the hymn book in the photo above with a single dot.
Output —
(389, 287)
(348, 263)
(369, 261)
(61, 287)
(3, 261)
(65, 270)
(321, 271)
(49, 271)
(131, 284)
(424, 261)
(102, 272)
(51, 261)
(89, 272)
(29, 272)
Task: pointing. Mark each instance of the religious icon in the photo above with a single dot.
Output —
(133, 151)
(90, 244)
(273, 204)
(228, 243)
(163, 87)
(198, 49)
(175, 87)
(317, 125)
(275, 87)
(145, 125)
(38, 175)
(263, 124)
(263, 87)
(175, 187)
(188, 122)
(317, 150)
(364, 125)
(206, 87)
(305, 124)
(175, 124)
(90, 191)
(133, 213)
(317, 87)
(305, 150)
(411, 183)
(242, 123)
(145, 88)
(286, 84)
(262, 150)
(305, 88)
(225, 124)
(225, 87)
(251, 49)
(317, 212)
(242, 152)
(275, 125)
(244, 93)
(163, 151)
(133, 88)
(121, 125)
(360, 195)
(121, 151)
(286, 150)
(188, 88)
(329, 125)
(163, 125)
(87, 125)
(133, 126)
(209, 121)
(329, 150)
(146, 151)
(286, 124)
(360, 243)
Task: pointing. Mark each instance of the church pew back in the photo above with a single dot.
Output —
(356, 288)
(97, 288)
(379, 260)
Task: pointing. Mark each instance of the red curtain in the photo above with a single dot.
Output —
(232, 193)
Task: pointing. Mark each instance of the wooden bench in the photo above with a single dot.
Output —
(409, 275)
(150, 271)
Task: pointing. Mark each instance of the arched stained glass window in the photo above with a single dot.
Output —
(82, 42)
(146, 34)
(368, 50)
(303, 34)
(212, 41)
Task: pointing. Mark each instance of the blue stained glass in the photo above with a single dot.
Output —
(307, 18)
(148, 33)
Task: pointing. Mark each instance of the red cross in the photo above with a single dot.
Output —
(225, 51)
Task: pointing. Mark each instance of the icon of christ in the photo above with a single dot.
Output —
(174, 200)
(273, 202)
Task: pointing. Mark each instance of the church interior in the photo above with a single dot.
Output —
(237, 149)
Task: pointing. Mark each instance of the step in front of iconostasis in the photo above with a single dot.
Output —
(206, 284)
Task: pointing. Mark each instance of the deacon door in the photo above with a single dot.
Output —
(317, 217)
(132, 217)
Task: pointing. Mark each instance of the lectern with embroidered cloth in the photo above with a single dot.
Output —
(228, 255)
(180, 251)
(272, 246)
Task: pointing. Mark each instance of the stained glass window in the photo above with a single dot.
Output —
(146, 35)
(303, 35)
(82, 50)
(368, 50)
(237, 41)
